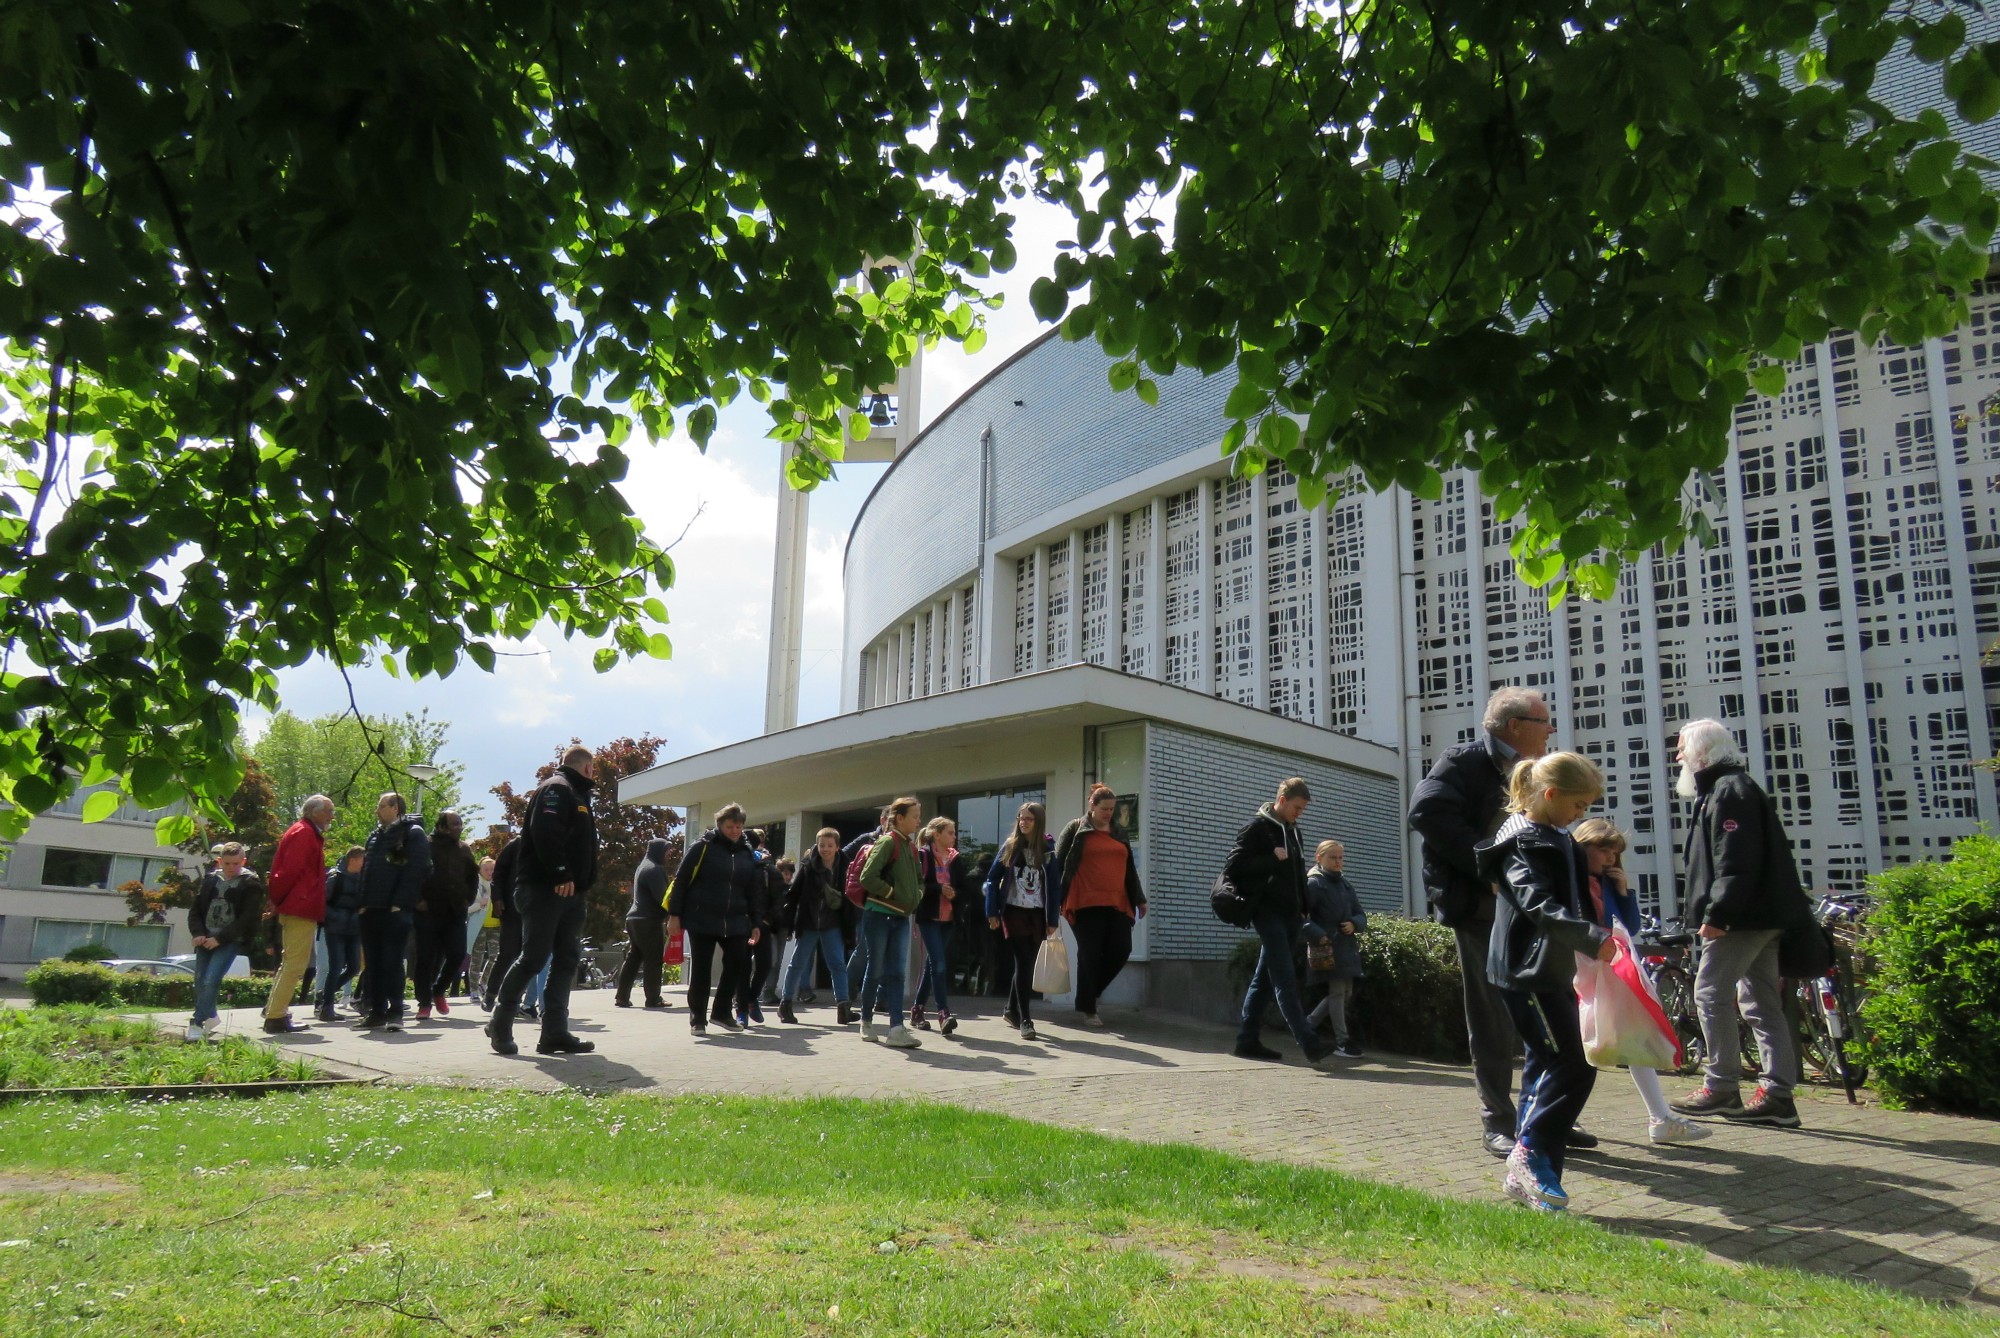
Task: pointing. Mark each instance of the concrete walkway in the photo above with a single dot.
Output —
(1906, 1201)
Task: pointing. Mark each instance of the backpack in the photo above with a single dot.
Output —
(1229, 904)
(855, 892)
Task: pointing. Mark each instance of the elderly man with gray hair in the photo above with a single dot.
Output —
(1458, 806)
(1742, 890)
(298, 899)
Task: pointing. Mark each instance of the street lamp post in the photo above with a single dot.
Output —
(421, 772)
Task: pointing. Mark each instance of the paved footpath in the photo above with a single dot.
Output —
(1903, 1200)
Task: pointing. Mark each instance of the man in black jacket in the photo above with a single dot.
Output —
(556, 865)
(1457, 807)
(646, 927)
(1268, 866)
(393, 872)
(1742, 890)
(440, 922)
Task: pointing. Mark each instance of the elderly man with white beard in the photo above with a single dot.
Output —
(1742, 889)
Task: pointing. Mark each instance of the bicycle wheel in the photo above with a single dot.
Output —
(1819, 1048)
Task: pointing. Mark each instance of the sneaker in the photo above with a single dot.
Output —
(868, 1032)
(1766, 1107)
(195, 1033)
(395, 1023)
(947, 1024)
(1498, 1142)
(1011, 1018)
(726, 1022)
(658, 1003)
(806, 997)
(1319, 1051)
(280, 1026)
(1348, 1051)
(443, 1007)
(699, 1028)
(1580, 1140)
(918, 1020)
(211, 1025)
(370, 1021)
(503, 1044)
(1525, 1164)
(1706, 1100)
(1675, 1130)
(1028, 1032)
(846, 1015)
(424, 1013)
(756, 1015)
(621, 1003)
(532, 1012)
(901, 1039)
(1255, 1050)
(742, 1018)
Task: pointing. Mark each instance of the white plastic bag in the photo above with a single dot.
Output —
(1623, 1023)
(1052, 966)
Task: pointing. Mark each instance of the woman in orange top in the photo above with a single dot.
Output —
(1098, 892)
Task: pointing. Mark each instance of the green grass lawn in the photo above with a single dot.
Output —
(446, 1211)
(79, 1046)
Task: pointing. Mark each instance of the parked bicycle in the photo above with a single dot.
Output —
(597, 968)
(1828, 1011)
(1666, 954)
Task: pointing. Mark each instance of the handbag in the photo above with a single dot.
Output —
(676, 950)
(1805, 949)
(1319, 954)
(1620, 1015)
(1052, 966)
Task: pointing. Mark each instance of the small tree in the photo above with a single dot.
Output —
(623, 830)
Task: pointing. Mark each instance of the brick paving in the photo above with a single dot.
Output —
(1903, 1200)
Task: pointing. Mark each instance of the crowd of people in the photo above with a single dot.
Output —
(1528, 884)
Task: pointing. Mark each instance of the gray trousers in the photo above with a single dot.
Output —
(1749, 956)
(1489, 1028)
(1334, 1007)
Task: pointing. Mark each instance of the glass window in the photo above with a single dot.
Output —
(76, 868)
(138, 869)
(985, 819)
(53, 938)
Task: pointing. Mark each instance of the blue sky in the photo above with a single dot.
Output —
(505, 724)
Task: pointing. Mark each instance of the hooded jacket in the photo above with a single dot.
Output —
(1272, 885)
(1330, 898)
(1541, 917)
(453, 881)
(649, 885)
(719, 889)
(1457, 806)
(343, 900)
(298, 873)
(227, 913)
(807, 908)
(559, 842)
(1740, 873)
(396, 865)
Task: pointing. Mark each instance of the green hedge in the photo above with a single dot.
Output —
(1932, 1019)
(88, 952)
(57, 982)
(1408, 1000)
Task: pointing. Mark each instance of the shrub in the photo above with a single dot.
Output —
(59, 982)
(175, 991)
(1932, 1033)
(88, 952)
(1408, 1000)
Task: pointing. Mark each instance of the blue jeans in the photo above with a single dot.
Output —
(888, 938)
(343, 960)
(1555, 1077)
(210, 966)
(532, 996)
(1275, 974)
(827, 941)
(936, 935)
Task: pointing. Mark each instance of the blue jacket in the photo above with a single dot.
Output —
(1000, 883)
(1619, 907)
(343, 900)
(1330, 898)
(396, 865)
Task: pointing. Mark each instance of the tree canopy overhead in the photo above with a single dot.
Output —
(328, 320)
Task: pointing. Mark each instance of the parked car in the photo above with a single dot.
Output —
(239, 967)
(148, 966)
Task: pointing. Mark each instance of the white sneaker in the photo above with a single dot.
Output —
(901, 1039)
(194, 1032)
(210, 1026)
(1675, 1130)
(869, 1032)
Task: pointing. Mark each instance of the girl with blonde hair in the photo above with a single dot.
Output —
(1541, 920)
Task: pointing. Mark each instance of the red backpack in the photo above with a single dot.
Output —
(855, 892)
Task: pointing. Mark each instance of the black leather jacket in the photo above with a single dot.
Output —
(1540, 920)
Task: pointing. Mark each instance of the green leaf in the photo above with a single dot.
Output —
(1148, 389)
(101, 804)
(1769, 379)
(152, 782)
(176, 829)
(481, 654)
(975, 340)
(659, 647)
(1048, 300)
(605, 660)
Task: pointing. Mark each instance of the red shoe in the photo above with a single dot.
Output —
(424, 1013)
(441, 1006)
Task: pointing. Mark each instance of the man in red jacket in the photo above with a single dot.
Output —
(298, 899)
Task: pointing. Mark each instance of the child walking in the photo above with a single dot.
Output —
(1541, 920)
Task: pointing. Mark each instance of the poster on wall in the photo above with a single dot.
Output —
(1126, 818)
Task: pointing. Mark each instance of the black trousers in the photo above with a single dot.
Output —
(551, 933)
(384, 933)
(701, 959)
(1103, 946)
(440, 942)
(1489, 1029)
(648, 944)
(1024, 931)
(752, 983)
(503, 957)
